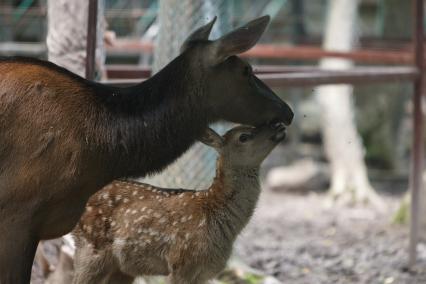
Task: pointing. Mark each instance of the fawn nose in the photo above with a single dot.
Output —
(278, 126)
(280, 132)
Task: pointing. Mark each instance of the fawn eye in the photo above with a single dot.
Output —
(245, 137)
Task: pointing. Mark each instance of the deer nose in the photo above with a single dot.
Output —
(283, 108)
(289, 115)
(278, 126)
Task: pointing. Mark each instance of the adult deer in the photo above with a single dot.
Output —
(131, 229)
(62, 138)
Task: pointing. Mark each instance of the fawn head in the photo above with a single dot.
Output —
(233, 92)
(245, 146)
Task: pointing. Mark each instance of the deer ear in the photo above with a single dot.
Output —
(212, 139)
(239, 40)
(201, 33)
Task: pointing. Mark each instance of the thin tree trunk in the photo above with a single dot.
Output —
(343, 146)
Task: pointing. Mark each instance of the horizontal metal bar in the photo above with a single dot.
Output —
(129, 47)
(316, 53)
(264, 69)
(354, 76)
(299, 52)
(141, 71)
(22, 48)
(128, 71)
(122, 82)
(41, 11)
(357, 75)
(132, 47)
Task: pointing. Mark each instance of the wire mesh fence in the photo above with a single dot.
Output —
(178, 18)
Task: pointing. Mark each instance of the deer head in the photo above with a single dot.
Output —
(244, 146)
(234, 92)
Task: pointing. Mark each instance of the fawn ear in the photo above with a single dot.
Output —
(199, 34)
(212, 139)
(238, 40)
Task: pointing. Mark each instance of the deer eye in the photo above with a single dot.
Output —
(245, 137)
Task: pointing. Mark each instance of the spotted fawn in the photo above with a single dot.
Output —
(132, 229)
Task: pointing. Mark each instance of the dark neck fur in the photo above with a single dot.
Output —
(148, 126)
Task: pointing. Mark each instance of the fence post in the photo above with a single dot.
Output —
(416, 182)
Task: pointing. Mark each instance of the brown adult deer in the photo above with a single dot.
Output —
(131, 229)
(62, 137)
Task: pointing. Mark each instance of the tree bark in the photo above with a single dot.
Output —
(67, 32)
(343, 145)
(178, 18)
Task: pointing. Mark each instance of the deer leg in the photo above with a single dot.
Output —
(17, 250)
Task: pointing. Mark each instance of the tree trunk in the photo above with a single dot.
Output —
(343, 146)
(67, 32)
(178, 18)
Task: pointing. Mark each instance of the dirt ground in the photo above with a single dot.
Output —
(301, 240)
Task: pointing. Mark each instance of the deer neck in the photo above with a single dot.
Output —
(146, 127)
(237, 189)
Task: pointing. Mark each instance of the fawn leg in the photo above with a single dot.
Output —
(41, 260)
(90, 267)
(17, 250)
(64, 270)
(186, 278)
(119, 277)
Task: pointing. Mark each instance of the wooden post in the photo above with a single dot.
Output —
(416, 183)
(91, 39)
